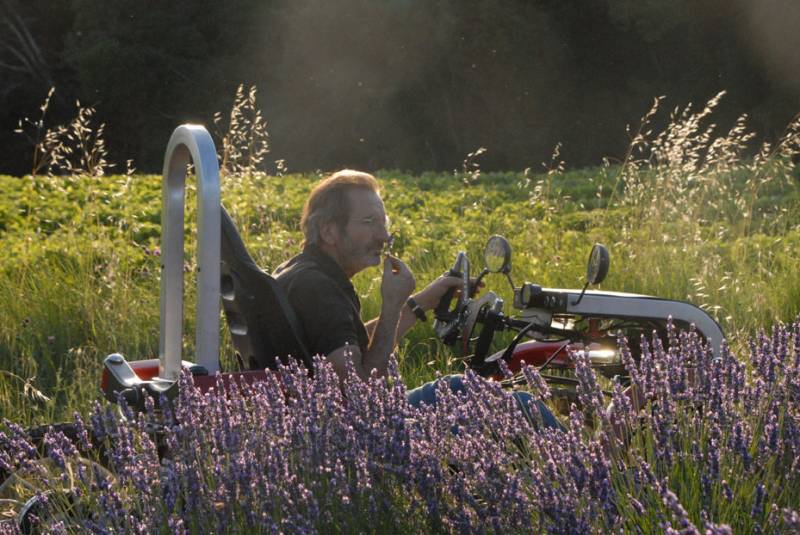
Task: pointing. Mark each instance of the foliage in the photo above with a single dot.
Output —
(79, 278)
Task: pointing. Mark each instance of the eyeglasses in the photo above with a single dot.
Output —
(374, 223)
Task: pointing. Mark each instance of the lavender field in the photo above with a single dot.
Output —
(717, 450)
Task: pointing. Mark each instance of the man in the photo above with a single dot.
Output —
(344, 224)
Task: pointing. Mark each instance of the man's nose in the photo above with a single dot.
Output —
(384, 233)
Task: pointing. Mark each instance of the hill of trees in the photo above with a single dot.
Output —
(411, 84)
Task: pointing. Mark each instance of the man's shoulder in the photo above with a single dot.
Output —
(300, 268)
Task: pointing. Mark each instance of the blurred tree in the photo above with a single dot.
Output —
(148, 66)
(20, 53)
(413, 84)
(30, 64)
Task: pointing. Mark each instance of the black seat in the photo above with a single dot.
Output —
(263, 325)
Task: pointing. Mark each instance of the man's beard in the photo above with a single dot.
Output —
(360, 257)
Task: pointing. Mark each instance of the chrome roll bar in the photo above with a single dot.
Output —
(614, 304)
(190, 144)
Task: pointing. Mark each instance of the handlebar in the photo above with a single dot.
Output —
(442, 309)
(448, 322)
(456, 321)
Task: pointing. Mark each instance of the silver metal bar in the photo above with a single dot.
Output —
(622, 305)
(190, 143)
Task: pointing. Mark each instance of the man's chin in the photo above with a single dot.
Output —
(367, 260)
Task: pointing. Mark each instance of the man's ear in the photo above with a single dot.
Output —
(329, 233)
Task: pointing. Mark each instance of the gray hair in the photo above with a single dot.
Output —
(328, 202)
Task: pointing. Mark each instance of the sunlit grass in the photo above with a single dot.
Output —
(686, 216)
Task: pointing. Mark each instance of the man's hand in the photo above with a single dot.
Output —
(432, 294)
(396, 318)
(397, 283)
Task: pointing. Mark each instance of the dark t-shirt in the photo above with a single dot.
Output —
(324, 300)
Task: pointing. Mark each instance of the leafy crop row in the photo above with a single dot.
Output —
(79, 274)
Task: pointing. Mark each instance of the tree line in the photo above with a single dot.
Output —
(409, 84)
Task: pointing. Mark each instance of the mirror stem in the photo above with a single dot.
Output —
(511, 282)
(582, 292)
(474, 288)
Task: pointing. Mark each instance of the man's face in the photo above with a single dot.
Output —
(360, 244)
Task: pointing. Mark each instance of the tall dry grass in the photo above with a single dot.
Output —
(688, 214)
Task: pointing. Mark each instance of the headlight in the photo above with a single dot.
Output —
(604, 356)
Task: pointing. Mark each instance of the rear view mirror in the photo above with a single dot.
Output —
(497, 255)
(598, 264)
(597, 269)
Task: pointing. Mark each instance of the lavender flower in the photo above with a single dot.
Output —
(678, 512)
(588, 391)
(300, 454)
(536, 382)
(758, 502)
(791, 520)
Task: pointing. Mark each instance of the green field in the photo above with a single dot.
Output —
(79, 277)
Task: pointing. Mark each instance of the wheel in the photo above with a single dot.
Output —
(40, 493)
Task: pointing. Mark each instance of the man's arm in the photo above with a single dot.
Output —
(383, 338)
(427, 299)
(396, 285)
(393, 322)
(406, 321)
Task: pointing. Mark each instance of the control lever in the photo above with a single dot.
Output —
(442, 311)
(491, 320)
(447, 321)
(123, 381)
